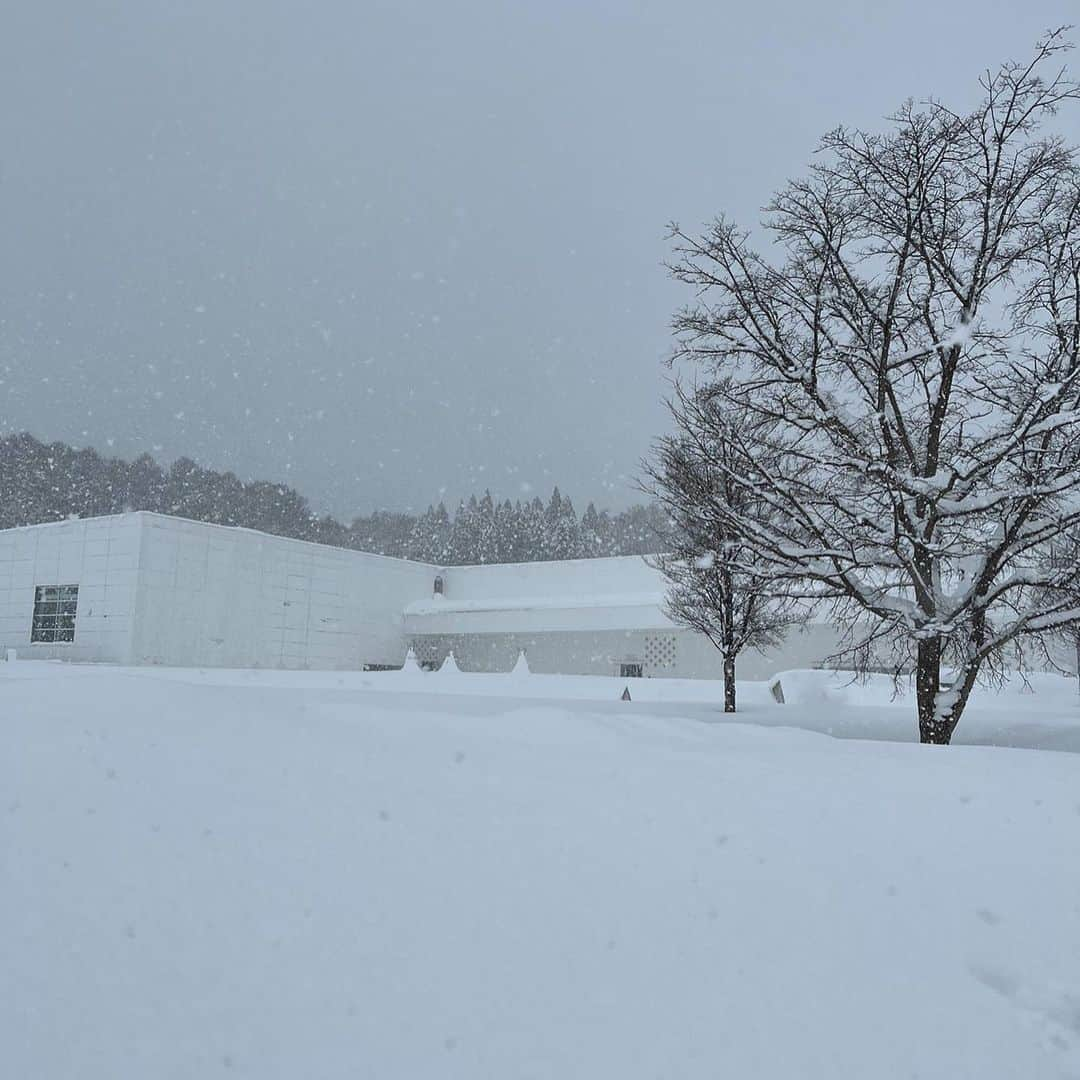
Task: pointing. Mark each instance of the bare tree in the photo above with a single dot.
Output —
(717, 585)
(909, 349)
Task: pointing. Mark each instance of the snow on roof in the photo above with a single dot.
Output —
(613, 593)
(438, 605)
(530, 615)
(623, 581)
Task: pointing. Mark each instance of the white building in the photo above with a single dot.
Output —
(161, 590)
(584, 616)
(144, 588)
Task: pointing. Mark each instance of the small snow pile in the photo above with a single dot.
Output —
(410, 667)
(831, 688)
(521, 667)
(449, 665)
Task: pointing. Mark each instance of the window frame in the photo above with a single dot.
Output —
(54, 615)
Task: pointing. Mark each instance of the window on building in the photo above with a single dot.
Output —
(54, 613)
(630, 671)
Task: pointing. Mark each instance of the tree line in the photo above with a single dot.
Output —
(51, 482)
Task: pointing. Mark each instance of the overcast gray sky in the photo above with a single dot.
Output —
(392, 251)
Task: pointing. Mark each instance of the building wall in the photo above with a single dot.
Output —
(585, 652)
(101, 556)
(211, 596)
(663, 653)
(161, 590)
(582, 617)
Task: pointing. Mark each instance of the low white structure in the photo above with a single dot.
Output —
(144, 588)
(153, 589)
(582, 617)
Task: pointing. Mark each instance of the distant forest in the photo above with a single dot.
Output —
(40, 483)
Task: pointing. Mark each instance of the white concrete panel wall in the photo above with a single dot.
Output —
(101, 556)
(587, 617)
(673, 653)
(218, 597)
(581, 652)
(805, 647)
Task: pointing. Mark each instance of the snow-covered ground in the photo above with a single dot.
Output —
(283, 875)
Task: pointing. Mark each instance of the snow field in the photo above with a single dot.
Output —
(293, 875)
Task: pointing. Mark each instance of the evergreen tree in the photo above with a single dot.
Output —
(430, 536)
(592, 543)
(487, 536)
(465, 534)
(562, 539)
(142, 485)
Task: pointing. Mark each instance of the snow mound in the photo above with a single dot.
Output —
(1034, 693)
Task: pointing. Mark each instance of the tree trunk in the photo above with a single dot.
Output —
(729, 650)
(927, 684)
(940, 708)
(952, 702)
(729, 684)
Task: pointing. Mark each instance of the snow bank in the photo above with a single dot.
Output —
(1036, 693)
